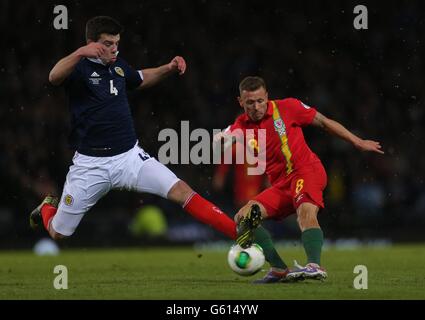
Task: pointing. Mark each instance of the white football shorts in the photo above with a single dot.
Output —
(90, 178)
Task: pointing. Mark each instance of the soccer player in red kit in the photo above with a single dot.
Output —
(296, 174)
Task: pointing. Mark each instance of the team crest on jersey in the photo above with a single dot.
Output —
(119, 71)
(280, 126)
(68, 200)
(278, 123)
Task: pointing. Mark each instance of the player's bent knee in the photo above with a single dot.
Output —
(57, 236)
(307, 216)
(307, 209)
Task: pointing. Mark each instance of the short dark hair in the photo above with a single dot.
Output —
(251, 84)
(102, 24)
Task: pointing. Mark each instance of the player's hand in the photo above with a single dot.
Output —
(369, 145)
(92, 50)
(178, 64)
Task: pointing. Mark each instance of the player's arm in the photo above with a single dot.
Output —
(65, 66)
(152, 76)
(339, 130)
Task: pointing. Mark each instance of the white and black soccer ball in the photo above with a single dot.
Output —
(246, 262)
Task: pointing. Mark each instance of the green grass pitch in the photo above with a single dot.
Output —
(184, 273)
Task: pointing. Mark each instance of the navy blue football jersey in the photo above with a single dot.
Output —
(101, 121)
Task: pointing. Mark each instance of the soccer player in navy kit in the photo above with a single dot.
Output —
(107, 153)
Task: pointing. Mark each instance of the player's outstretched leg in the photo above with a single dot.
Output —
(278, 268)
(248, 222)
(154, 177)
(202, 209)
(44, 212)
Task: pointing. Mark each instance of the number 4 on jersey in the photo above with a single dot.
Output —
(113, 89)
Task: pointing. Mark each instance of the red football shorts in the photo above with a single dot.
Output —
(286, 195)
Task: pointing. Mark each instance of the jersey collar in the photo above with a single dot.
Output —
(99, 61)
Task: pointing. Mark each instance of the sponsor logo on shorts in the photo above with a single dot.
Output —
(299, 197)
(68, 200)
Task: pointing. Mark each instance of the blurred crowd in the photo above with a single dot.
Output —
(369, 80)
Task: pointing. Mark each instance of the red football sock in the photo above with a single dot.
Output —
(47, 213)
(207, 213)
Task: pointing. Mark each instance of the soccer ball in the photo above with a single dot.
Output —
(246, 262)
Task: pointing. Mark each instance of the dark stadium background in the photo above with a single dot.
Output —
(370, 80)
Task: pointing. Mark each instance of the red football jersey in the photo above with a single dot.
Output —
(286, 149)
